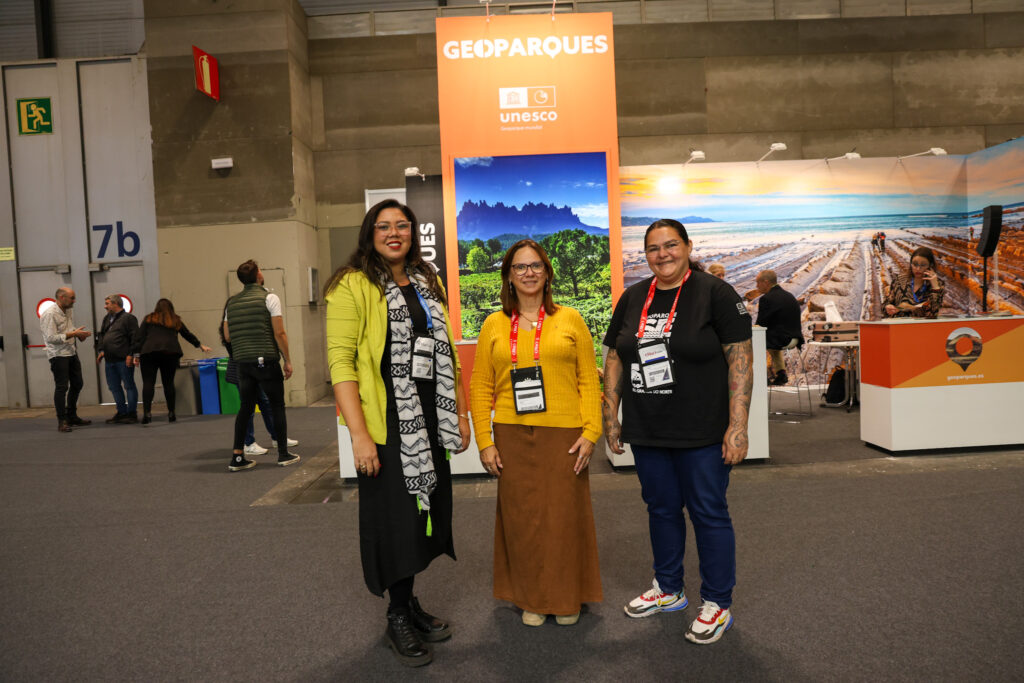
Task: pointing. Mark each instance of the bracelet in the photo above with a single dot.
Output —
(466, 416)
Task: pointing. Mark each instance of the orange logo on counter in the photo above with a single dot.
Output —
(963, 346)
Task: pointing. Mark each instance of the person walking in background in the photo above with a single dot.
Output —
(680, 361)
(114, 345)
(397, 384)
(778, 312)
(156, 348)
(881, 242)
(535, 363)
(231, 377)
(254, 326)
(61, 337)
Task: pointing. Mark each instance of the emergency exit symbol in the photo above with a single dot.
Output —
(35, 116)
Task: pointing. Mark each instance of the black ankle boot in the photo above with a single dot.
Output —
(146, 418)
(430, 628)
(171, 417)
(404, 640)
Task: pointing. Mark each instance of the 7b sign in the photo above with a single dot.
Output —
(35, 116)
(128, 242)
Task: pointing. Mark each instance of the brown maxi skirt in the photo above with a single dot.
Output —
(545, 547)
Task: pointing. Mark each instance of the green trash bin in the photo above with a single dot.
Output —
(230, 402)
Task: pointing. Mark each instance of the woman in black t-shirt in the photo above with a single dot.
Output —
(680, 360)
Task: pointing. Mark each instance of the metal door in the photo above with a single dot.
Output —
(37, 288)
(128, 281)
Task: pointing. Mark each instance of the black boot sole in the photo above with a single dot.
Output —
(406, 660)
(435, 636)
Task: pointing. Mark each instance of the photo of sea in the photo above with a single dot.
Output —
(820, 225)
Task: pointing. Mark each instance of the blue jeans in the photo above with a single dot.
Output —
(696, 479)
(268, 420)
(127, 397)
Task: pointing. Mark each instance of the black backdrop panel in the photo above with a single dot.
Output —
(423, 195)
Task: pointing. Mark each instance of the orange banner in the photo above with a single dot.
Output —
(526, 85)
(942, 353)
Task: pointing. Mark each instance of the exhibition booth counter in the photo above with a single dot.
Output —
(944, 383)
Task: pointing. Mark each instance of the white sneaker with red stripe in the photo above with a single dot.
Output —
(710, 624)
(655, 600)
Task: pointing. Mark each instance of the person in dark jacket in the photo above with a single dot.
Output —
(778, 312)
(157, 349)
(114, 345)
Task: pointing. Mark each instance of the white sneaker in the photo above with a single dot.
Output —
(710, 624)
(655, 600)
(291, 442)
(254, 449)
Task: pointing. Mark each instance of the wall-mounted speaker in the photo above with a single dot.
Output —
(990, 229)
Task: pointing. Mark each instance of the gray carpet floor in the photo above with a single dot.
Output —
(130, 553)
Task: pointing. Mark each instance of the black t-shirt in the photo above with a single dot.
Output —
(694, 411)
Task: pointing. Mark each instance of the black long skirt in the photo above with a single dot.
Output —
(393, 537)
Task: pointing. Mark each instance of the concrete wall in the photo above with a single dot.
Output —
(264, 208)
(313, 120)
(885, 85)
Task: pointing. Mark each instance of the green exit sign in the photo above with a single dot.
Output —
(35, 116)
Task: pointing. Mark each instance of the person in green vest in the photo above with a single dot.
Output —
(255, 328)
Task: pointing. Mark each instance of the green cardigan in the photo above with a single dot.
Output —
(357, 329)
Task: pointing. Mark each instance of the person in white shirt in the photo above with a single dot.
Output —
(61, 336)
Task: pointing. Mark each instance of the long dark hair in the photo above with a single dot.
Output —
(680, 230)
(509, 298)
(164, 315)
(365, 258)
(926, 253)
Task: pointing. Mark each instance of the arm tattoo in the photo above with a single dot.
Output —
(612, 389)
(740, 357)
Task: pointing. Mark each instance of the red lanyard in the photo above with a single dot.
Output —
(671, 314)
(513, 337)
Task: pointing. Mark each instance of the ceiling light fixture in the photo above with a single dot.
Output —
(849, 156)
(937, 151)
(776, 147)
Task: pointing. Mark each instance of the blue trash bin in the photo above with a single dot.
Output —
(208, 391)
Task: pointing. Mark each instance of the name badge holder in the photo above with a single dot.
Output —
(423, 348)
(657, 369)
(527, 383)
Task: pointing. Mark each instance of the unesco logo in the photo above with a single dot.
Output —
(535, 103)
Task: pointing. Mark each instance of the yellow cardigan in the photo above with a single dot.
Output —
(571, 387)
(357, 330)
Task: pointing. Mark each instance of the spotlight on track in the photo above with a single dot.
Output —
(695, 155)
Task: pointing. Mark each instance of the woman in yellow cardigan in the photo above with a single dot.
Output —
(396, 382)
(535, 364)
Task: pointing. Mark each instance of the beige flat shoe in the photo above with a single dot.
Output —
(568, 619)
(533, 619)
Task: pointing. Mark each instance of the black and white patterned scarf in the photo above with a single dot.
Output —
(417, 459)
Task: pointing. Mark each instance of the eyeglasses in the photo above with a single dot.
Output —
(520, 268)
(400, 226)
(668, 246)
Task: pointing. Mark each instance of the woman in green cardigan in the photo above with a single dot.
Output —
(396, 382)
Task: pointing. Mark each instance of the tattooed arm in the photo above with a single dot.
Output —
(610, 401)
(740, 357)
